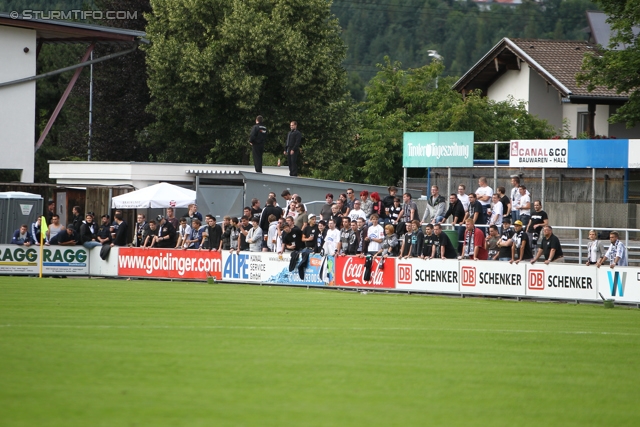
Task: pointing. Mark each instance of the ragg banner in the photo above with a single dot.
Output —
(56, 260)
(169, 263)
(549, 153)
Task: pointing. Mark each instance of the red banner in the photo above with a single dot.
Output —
(169, 263)
(350, 272)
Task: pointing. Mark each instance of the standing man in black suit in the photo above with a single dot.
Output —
(292, 148)
(257, 139)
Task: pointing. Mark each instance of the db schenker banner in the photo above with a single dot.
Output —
(437, 149)
(57, 260)
(492, 278)
(169, 263)
(563, 281)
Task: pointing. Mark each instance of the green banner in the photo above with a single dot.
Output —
(437, 149)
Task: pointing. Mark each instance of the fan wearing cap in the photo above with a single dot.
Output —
(292, 236)
(166, 233)
(68, 238)
(506, 240)
(356, 212)
(521, 248)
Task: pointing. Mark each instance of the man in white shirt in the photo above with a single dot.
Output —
(484, 193)
(462, 196)
(523, 206)
(331, 239)
(514, 196)
(496, 212)
(357, 211)
(616, 254)
(375, 234)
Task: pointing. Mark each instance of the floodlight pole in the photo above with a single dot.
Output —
(90, 108)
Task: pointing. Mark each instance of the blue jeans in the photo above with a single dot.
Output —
(91, 244)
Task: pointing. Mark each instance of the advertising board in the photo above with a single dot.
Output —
(350, 271)
(549, 153)
(492, 278)
(169, 263)
(437, 149)
(621, 283)
(267, 267)
(561, 281)
(598, 153)
(435, 275)
(56, 260)
(634, 154)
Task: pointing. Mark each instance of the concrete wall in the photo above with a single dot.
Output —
(17, 102)
(544, 101)
(613, 216)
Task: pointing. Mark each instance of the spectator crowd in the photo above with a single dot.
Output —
(489, 225)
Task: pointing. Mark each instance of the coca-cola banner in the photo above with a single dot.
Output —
(350, 272)
(435, 275)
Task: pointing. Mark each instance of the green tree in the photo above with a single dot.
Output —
(401, 101)
(215, 64)
(617, 68)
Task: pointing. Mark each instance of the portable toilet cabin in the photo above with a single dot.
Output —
(17, 208)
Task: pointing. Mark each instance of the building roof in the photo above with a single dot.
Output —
(557, 62)
(52, 31)
(600, 30)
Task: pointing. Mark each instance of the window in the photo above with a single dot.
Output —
(583, 122)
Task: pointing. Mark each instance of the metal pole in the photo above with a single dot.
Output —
(404, 180)
(90, 108)
(448, 182)
(593, 197)
(495, 166)
(580, 247)
(82, 64)
(542, 189)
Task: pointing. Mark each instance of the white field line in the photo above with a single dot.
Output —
(314, 328)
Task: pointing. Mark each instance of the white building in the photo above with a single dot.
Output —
(20, 43)
(543, 74)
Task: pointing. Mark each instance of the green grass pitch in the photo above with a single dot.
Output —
(79, 352)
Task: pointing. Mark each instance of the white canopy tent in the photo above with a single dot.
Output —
(162, 195)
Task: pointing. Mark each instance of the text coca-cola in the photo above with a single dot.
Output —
(351, 273)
